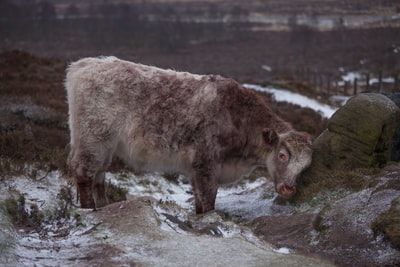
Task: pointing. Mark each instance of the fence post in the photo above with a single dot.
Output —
(367, 82)
(355, 86)
(346, 85)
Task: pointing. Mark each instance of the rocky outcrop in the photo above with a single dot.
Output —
(358, 228)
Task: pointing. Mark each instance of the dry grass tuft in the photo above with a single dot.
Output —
(115, 193)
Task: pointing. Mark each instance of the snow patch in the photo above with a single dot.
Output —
(283, 250)
(156, 186)
(266, 68)
(384, 80)
(282, 95)
(351, 76)
(57, 242)
(41, 190)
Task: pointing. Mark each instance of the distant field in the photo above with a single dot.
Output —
(318, 7)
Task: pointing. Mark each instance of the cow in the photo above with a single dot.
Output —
(206, 127)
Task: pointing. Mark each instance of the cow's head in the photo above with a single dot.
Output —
(291, 153)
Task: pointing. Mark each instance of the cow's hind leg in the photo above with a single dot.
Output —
(88, 168)
(84, 183)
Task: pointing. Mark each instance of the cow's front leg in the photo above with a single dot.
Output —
(99, 190)
(205, 187)
(205, 192)
(85, 184)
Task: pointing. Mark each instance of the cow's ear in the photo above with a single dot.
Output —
(270, 136)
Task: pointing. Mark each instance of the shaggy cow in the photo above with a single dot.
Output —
(207, 127)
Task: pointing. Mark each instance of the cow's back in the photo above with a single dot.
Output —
(110, 81)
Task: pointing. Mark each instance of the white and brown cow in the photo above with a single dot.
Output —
(207, 127)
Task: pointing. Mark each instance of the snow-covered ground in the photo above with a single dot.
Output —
(63, 242)
(247, 199)
(282, 95)
(160, 240)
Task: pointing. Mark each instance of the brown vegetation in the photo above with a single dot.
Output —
(33, 125)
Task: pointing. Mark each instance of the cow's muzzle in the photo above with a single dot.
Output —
(285, 190)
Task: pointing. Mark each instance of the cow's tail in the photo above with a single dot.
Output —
(71, 86)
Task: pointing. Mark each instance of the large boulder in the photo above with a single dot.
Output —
(359, 135)
(395, 154)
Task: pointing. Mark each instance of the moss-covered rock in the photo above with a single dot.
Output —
(359, 135)
(360, 139)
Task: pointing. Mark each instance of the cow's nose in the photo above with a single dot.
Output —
(285, 190)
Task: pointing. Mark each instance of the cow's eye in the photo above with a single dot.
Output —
(283, 156)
